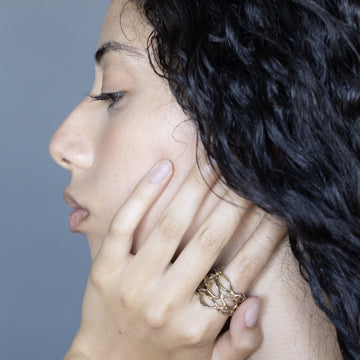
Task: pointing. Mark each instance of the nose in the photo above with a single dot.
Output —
(71, 146)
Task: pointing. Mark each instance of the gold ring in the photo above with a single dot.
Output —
(216, 291)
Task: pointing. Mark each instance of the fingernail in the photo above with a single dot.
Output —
(212, 161)
(161, 171)
(252, 314)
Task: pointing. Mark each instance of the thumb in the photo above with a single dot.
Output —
(244, 335)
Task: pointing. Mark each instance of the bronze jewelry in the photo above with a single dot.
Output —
(216, 291)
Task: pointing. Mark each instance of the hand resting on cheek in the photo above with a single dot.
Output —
(145, 305)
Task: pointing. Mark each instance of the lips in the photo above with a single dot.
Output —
(78, 216)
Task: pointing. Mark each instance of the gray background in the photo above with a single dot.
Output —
(46, 67)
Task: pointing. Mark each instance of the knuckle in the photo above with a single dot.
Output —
(195, 336)
(156, 315)
(247, 345)
(98, 278)
(118, 229)
(143, 192)
(211, 240)
(168, 227)
(249, 268)
(198, 177)
(129, 296)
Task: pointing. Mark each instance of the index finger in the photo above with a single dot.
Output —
(117, 242)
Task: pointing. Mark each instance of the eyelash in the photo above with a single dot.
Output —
(110, 98)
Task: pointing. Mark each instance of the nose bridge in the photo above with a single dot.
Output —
(71, 146)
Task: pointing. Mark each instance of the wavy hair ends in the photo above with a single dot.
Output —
(274, 89)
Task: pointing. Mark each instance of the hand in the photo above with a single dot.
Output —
(144, 306)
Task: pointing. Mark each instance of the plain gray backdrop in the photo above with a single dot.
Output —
(46, 68)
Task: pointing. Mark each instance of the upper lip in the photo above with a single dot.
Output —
(69, 199)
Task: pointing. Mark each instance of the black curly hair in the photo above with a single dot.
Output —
(274, 90)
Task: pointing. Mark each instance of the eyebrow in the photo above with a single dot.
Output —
(114, 46)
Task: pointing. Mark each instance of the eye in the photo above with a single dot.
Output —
(110, 98)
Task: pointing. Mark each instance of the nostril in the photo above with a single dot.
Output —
(69, 152)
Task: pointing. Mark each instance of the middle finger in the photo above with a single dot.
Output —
(200, 254)
(164, 239)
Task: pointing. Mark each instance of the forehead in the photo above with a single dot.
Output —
(125, 25)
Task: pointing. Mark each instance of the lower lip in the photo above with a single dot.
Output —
(76, 218)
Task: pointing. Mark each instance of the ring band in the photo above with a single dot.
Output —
(216, 291)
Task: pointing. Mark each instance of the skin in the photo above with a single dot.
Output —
(144, 306)
(109, 150)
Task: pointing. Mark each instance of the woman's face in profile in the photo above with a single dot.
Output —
(110, 143)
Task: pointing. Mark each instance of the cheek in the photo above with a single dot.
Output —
(125, 155)
(128, 150)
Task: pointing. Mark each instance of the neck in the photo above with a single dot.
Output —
(293, 326)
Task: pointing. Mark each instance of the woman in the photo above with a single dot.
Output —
(272, 90)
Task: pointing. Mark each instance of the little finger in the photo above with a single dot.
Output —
(244, 335)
